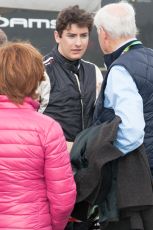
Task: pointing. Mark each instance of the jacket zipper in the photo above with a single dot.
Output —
(77, 79)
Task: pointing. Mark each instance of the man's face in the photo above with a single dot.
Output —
(73, 42)
(101, 39)
(105, 41)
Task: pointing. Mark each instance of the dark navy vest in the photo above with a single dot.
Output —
(138, 61)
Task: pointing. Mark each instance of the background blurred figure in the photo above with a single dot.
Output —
(3, 37)
(37, 189)
(72, 84)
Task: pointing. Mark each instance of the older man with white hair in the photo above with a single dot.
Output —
(127, 92)
(128, 86)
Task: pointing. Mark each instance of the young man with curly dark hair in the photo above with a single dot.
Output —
(72, 84)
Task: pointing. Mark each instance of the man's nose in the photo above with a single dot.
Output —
(78, 41)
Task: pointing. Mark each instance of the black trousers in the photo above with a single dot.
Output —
(147, 220)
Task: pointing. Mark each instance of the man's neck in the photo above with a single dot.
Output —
(111, 57)
(122, 43)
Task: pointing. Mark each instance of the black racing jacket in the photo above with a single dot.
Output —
(72, 94)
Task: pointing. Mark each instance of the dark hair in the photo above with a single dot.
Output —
(21, 70)
(73, 15)
(3, 37)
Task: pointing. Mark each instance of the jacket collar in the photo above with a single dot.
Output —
(67, 64)
(28, 103)
(110, 58)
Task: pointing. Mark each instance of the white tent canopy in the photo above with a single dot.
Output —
(51, 5)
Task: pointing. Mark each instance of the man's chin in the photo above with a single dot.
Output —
(75, 57)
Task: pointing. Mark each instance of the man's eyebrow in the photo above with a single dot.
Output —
(76, 33)
(70, 33)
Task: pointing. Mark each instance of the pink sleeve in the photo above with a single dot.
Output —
(61, 188)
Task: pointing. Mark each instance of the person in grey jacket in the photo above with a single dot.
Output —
(72, 84)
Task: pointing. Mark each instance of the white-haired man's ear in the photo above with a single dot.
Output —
(99, 29)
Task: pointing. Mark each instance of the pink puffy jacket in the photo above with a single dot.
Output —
(37, 189)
